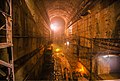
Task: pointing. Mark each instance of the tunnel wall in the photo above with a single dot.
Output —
(101, 23)
(30, 35)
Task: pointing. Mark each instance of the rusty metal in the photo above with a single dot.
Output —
(106, 43)
(86, 6)
(110, 44)
(2, 27)
(8, 30)
(8, 44)
(79, 13)
(24, 37)
(5, 64)
(5, 45)
(2, 73)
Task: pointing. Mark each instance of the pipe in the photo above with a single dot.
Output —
(79, 12)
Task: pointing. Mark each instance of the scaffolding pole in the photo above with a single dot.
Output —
(8, 43)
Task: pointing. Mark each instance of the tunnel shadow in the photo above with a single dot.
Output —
(48, 66)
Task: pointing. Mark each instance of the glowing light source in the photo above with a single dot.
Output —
(54, 26)
(106, 56)
(57, 50)
(67, 43)
(82, 69)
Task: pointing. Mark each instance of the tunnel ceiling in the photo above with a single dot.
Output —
(65, 9)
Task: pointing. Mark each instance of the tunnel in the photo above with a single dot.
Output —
(60, 40)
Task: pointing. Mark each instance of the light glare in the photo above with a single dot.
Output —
(54, 26)
(106, 56)
(68, 43)
(57, 50)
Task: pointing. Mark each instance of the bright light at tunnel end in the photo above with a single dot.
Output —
(54, 26)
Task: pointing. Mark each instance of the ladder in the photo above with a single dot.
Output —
(8, 45)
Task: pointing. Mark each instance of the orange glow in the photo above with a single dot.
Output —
(54, 26)
(57, 24)
(67, 43)
(57, 50)
(80, 68)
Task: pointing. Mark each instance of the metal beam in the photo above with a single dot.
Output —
(5, 45)
(78, 14)
(21, 61)
(5, 64)
(2, 73)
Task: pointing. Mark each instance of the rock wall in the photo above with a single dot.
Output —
(101, 22)
(30, 34)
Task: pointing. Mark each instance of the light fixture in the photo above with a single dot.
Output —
(67, 43)
(106, 56)
(57, 50)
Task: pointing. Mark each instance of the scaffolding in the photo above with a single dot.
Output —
(91, 43)
(7, 44)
